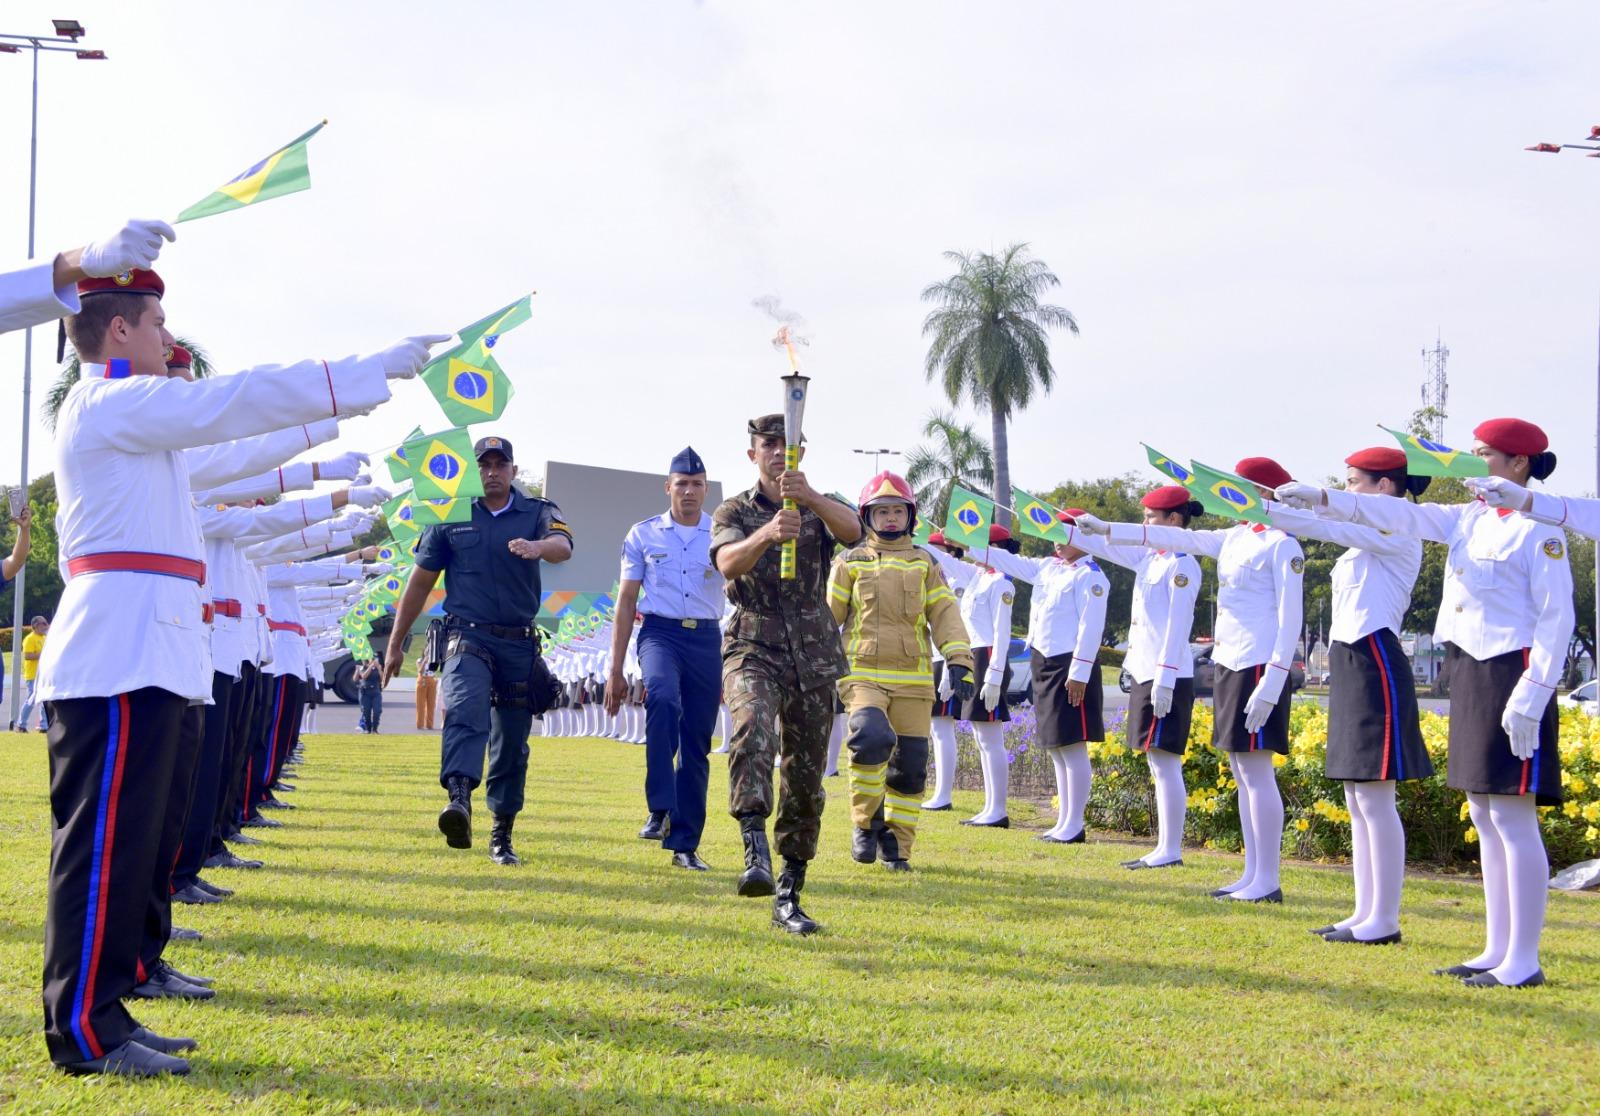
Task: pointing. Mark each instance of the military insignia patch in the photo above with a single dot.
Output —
(1553, 548)
(1007, 597)
(1298, 565)
(123, 279)
(1097, 590)
(1180, 580)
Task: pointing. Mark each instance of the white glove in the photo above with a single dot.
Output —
(377, 569)
(1500, 493)
(347, 466)
(1093, 525)
(946, 687)
(1523, 731)
(1263, 699)
(1302, 496)
(367, 495)
(405, 358)
(136, 244)
(1160, 701)
(990, 695)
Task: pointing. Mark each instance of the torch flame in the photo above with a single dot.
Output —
(785, 340)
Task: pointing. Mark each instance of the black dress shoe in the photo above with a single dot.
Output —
(131, 1059)
(690, 860)
(246, 839)
(184, 934)
(167, 969)
(937, 809)
(1461, 971)
(1222, 892)
(656, 826)
(226, 859)
(144, 1036)
(1346, 935)
(1001, 823)
(279, 787)
(270, 803)
(897, 865)
(1273, 896)
(455, 820)
(164, 984)
(212, 889)
(1136, 865)
(1324, 931)
(1489, 980)
(194, 895)
(261, 821)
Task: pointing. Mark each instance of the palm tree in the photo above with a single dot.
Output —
(68, 376)
(989, 339)
(956, 456)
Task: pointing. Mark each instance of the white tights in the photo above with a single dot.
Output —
(1378, 852)
(996, 771)
(1166, 771)
(1516, 874)
(1073, 777)
(943, 734)
(1261, 819)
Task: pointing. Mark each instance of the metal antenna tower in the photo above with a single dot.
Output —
(1435, 387)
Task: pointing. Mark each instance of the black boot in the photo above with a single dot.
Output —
(864, 846)
(786, 912)
(889, 849)
(455, 820)
(757, 876)
(500, 841)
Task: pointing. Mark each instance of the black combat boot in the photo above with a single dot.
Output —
(786, 912)
(889, 849)
(757, 876)
(455, 820)
(500, 841)
(864, 847)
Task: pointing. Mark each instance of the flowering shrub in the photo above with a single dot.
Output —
(1317, 820)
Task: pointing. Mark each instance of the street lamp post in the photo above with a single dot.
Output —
(1592, 147)
(876, 453)
(68, 32)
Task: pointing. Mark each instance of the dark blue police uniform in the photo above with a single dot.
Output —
(490, 599)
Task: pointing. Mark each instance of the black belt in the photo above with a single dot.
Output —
(676, 622)
(493, 629)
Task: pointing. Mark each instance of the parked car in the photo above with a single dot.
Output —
(339, 675)
(1205, 672)
(1586, 697)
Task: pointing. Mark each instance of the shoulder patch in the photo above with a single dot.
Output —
(1097, 589)
(1297, 564)
(1007, 597)
(1180, 580)
(1553, 548)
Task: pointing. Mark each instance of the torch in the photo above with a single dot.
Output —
(794, 409)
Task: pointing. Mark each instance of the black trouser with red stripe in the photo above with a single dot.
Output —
(283, 710)
(158, 920)
(208, 782)
(111, 765)
(243, 745)
(292, 721)
(241, 703)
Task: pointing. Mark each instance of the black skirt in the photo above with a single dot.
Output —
(1372, 713)
(1060, 722)
(974, 709)
(1170, 733)
(1232, 689)
(1480, 753)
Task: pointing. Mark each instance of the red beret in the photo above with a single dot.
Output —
(1071, 515)
(937, 538)
(1169, 497)
(137, 281)
(1263, 471)
(1378, 459)
(1513, 436)
(998, 533)
(179, 357)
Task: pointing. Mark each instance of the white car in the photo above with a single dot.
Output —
(1586, 697)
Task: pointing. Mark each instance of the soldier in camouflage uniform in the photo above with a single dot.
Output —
(780, 659)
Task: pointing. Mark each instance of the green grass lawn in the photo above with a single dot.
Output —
(370, 967)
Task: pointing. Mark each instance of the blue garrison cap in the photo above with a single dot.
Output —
(687, 461)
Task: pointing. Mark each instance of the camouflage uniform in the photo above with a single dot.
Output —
(780, 658)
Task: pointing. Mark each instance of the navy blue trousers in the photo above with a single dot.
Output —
(682, 686)
(472, 727)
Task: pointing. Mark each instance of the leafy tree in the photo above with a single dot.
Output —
(990, 340)
(44, 583)
(956, 455)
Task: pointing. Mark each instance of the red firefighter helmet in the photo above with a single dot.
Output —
(884, 488)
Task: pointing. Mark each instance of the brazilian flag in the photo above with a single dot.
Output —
(401, 516)
(482, 335)
(429, 512)
(1184, 476)
(1037, 518)
(285, 171)
(469, 391)
(399, 467)
(1235, 494)
(1427, 458)
(442, 466)
(967, 524)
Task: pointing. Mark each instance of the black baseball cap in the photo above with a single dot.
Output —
(492, 443)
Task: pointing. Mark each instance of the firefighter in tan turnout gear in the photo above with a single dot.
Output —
(886, 594)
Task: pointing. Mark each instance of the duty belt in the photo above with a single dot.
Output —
(678, 621)
(281, 626)
(227, 607)
(136, 561)
(499, 630)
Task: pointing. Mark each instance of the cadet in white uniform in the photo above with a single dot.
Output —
(1065, 622)
(1505, 617)
(1161, 704)
(1259, 608)
(942, 728)
(128, 650)
(1374, 739)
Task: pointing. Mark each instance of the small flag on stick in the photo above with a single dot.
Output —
(967, 524)
(1427, 458)
(285, 171)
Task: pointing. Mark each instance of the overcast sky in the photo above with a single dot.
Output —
(1260, 215)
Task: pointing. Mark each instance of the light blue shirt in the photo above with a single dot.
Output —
(673, 563)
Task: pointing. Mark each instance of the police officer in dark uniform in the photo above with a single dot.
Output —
(780, 659)
(494, 681)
